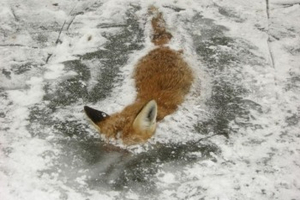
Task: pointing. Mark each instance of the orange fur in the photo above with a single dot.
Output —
(162, 75)
(160, 35)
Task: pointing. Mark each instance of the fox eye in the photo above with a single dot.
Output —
(95, 115)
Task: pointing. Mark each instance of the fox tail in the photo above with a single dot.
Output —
(160, 35)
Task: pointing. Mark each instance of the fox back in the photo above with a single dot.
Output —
(162, 79)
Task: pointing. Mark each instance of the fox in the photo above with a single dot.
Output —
(162, 80)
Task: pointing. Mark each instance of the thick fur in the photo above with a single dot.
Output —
(163, 76)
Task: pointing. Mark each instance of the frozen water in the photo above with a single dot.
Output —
(235, 137)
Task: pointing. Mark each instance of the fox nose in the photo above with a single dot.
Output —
(95, 115)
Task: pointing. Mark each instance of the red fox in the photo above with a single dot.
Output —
(162, 79)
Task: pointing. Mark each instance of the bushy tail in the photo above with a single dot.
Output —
(160, 35)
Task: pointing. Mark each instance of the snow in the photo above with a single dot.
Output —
(236, 136)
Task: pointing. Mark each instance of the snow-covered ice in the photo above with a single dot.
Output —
(236, 136)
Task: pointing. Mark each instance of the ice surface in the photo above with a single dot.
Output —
(235, 137)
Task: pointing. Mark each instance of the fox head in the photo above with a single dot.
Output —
(136, 127)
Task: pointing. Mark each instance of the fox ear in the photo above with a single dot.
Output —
(95, 115)
(146, 119)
